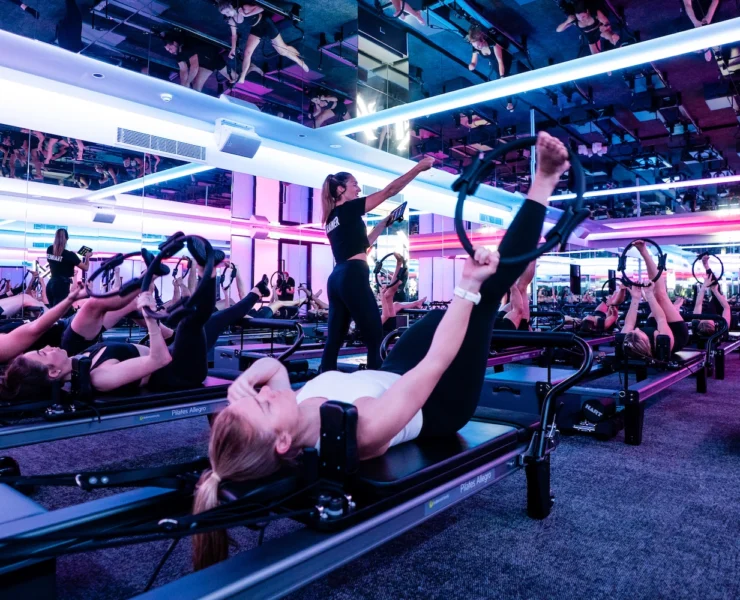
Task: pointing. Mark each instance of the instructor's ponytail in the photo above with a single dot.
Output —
(330, 193)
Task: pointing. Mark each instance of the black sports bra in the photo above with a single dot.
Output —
(115, 351)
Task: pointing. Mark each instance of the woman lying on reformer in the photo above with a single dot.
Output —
(429, 385)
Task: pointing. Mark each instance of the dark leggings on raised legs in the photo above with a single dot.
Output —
(350, 297)
(455, 398)
(222, 319)
(189, 366)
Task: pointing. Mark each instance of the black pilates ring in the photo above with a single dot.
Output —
(378, 269)
(105, 272)
(710, 255)
(622, 267)
(274, 283)
(168, 249)
(481, 168)
(608, 281)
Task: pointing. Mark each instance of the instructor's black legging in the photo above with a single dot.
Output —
(57, 290)
(350, 297)
(455, 398)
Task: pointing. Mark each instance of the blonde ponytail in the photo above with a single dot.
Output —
(238, 452)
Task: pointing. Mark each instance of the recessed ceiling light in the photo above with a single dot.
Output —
(335, 145)
(166, 97)
(301, 135)
(98, 76)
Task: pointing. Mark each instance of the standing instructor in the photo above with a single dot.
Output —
(62, 265)
(349, 292)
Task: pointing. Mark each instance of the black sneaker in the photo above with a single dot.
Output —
(149, 259)
(263, 287)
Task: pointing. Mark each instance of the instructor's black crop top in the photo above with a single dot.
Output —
(346, 230)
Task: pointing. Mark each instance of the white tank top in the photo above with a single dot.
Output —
(348, 387)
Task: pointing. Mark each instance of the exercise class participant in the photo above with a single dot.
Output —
(607, 312)
(348, 287)
(514, 316)
(718, 305)
(286, 288)
(428, 386)
(182, 365)
(62, 263)
(665, 318)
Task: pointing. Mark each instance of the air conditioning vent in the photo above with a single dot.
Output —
(160, 145)
(491, 220)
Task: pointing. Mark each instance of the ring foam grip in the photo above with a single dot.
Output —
(339, 455)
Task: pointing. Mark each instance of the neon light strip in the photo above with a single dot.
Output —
(699, 38)
(137, 184)
(653, 187)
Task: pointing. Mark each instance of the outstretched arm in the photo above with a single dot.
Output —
(568, 22)
(18, 341)
(381, 419)
(630, 320)
(395, 187)
(726, 310)
(108, 377)
(699, 304)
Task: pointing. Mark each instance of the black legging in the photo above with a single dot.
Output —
(350, 297)
(455, 398)
(69, 29)
(222, 319)
(189, 351)
(57, 290)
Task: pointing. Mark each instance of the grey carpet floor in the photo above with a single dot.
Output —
(661, 520)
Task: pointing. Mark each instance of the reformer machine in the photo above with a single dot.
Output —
(348, 506)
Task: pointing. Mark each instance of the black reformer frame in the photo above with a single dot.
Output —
(283, 565)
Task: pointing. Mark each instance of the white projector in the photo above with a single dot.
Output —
(235, 138)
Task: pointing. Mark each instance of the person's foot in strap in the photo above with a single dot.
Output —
(148, 257)
(197, 250)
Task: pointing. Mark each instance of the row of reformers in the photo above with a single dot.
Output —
(392, 438)
(267, 424)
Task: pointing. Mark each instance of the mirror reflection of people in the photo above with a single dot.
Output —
(62, 264)
(197, 61)
(401, 7)
(593, 24)
(252, 24)
(481, 45)
(699, 16)
(286, 288)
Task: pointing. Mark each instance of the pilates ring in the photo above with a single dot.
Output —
(710, 255)
(274, 282)
(168, 249)
(623, 263)
(608, 281)
(104, 272)
(378, 269)
(481, 168)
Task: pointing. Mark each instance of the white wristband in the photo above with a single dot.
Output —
(466, 295)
